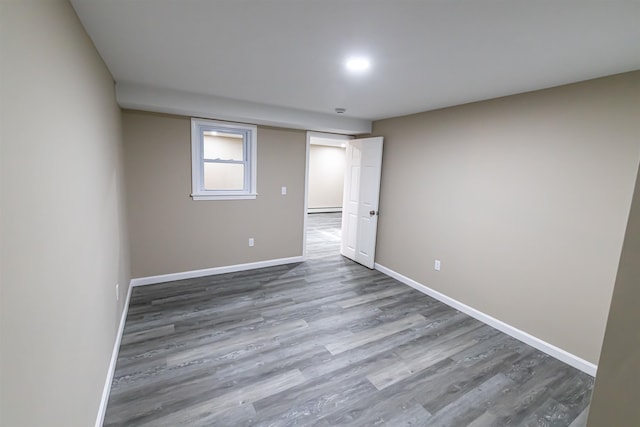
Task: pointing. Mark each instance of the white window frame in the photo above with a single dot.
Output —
(250, 138)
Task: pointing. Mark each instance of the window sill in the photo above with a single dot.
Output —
(224, 196)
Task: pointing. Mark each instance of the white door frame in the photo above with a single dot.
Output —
(310, 135)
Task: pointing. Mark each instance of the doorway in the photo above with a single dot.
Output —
(361, 167)
(325, 166)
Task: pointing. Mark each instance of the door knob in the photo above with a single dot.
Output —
(372, 213)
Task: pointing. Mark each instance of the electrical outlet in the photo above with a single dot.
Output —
(284, 191)
(250, 241)
(436, 265)
(117, 291)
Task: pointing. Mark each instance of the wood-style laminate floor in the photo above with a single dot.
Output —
(327, 342)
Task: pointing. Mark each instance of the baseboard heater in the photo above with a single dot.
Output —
(324, 210)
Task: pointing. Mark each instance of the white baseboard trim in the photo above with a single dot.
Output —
(151, 280)
(112, 365)
(323, 210)
(550, 349)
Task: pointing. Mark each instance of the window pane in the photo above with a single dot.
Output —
(223, 176)
(223, 163)
(223, 146)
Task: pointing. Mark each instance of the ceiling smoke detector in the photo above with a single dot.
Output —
(340, 110)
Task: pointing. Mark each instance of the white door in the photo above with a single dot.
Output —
(361, 195)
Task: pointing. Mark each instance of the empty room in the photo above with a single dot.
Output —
(319, 212)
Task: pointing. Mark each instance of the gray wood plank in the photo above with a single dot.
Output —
(375, 334)
(581, 420)
(233, 399)
(406, 367)
(326, 342)
(470, 406)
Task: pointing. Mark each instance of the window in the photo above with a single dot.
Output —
(223, 160)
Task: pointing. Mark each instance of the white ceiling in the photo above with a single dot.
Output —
(425, 54)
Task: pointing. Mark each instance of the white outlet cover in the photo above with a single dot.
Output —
(251, 241)
(436, 265)
(284, 191)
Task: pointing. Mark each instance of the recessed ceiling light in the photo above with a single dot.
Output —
(358, 64)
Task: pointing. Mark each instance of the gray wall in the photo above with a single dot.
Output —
(615, 397)
(63, 240)
(172, 233)
(524, 199)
